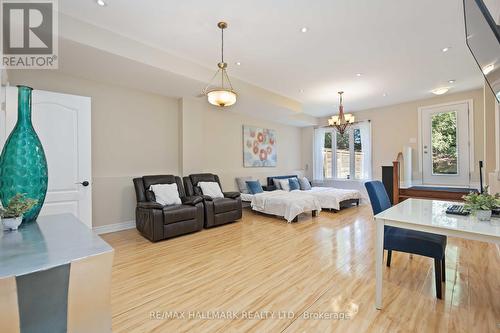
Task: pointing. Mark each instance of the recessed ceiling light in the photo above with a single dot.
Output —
(358, 74)
(451, 81)
(440, 91)
(301, 91)
(446, 49)
(384, 94)
(101, 3)
(238, 63)
(304, 29)
(488, 69)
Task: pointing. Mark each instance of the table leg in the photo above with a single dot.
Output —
(379, 262)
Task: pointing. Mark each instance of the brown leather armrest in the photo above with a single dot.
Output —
(232, 195)
(149, 205)
(191, 200)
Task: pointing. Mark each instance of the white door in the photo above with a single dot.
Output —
(445, 144)
(63, 125)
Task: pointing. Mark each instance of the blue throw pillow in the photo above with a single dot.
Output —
(254, 186)
(294, 184)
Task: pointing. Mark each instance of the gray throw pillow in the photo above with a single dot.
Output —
(304, 184)
(242, 185)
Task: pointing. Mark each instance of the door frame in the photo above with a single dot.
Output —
(470, 105)
(497, 139)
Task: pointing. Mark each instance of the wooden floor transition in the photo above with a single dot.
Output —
(293, 276)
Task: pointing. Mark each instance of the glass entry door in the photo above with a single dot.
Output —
(445, 145)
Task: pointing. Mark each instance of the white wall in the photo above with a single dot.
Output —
(213, 142)
(490, 148)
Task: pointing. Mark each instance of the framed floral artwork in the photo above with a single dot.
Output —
(259, 147)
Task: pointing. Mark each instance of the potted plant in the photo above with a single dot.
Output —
(12, 214)
(481, 204)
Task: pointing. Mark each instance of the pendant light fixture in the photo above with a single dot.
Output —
(224, 94)
(342, 121)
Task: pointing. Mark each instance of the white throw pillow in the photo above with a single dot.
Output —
(305, 184)
(166, 194)
(212, 189)
(285, 185)
(276, 182)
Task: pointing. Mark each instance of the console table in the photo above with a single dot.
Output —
(55, 276)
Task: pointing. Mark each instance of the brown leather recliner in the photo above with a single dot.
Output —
(155, 221)
(218, 211)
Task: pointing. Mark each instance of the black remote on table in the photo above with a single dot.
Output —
(457, 210)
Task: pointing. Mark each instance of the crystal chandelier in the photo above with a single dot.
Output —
(342, 121)
(224, 94)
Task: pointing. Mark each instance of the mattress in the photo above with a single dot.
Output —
(330, 197)
(286, 204)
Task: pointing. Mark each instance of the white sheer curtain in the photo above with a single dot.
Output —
(319, 144)
(365, 129)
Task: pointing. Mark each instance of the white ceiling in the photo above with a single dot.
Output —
(110, 69)
(396, 45)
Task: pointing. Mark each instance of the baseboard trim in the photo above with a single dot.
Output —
(104, 229)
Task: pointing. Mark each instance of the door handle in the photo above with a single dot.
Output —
(84, 183)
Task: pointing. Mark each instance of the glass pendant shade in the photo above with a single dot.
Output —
(222, 94)
(335, 120)
(221, 97)
(342, 121)
(23, 166)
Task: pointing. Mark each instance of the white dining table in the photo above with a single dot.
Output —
(428, 216)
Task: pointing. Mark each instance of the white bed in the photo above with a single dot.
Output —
(246, 197)
(331, 198)
(286, 204)
(328, 197)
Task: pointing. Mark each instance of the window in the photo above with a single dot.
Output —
(359, 157)
(346, 156)
(343, 156)
(327, 156)
(444, 143)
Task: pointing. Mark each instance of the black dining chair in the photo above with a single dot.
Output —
(409, 241)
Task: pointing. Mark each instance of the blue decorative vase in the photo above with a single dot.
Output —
(23, 166)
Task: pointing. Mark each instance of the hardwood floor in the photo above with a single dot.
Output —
(322, 266)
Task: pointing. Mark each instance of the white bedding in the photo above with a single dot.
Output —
(246, 197)
(286, 204)
(330, 197)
